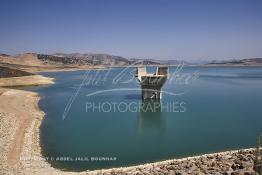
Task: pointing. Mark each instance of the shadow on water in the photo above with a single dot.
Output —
(150, 117)
(133, 96)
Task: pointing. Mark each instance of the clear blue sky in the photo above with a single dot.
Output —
(183, 29)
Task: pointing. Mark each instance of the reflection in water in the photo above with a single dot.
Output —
(150, 117)
(212, 105)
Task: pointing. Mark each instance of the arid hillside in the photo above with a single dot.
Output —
(15, 77)
(33, 62)
(6, 72)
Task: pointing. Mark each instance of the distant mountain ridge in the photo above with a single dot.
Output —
(89, 59)
(35, 62)
(241, 62)
(95, 59)
(106, 60)
(77, 59)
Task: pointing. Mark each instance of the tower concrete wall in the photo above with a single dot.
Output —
(151, 84)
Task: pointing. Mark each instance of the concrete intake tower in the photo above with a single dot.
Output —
(151, 84)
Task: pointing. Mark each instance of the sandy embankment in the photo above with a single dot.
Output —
(33, 80)
(19, 114)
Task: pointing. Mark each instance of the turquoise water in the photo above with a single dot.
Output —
(221, 109)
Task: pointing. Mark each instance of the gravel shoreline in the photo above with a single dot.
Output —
(30, 161)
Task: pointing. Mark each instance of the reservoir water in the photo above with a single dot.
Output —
(203, 110)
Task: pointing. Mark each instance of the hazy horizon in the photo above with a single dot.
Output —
(182, 30)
